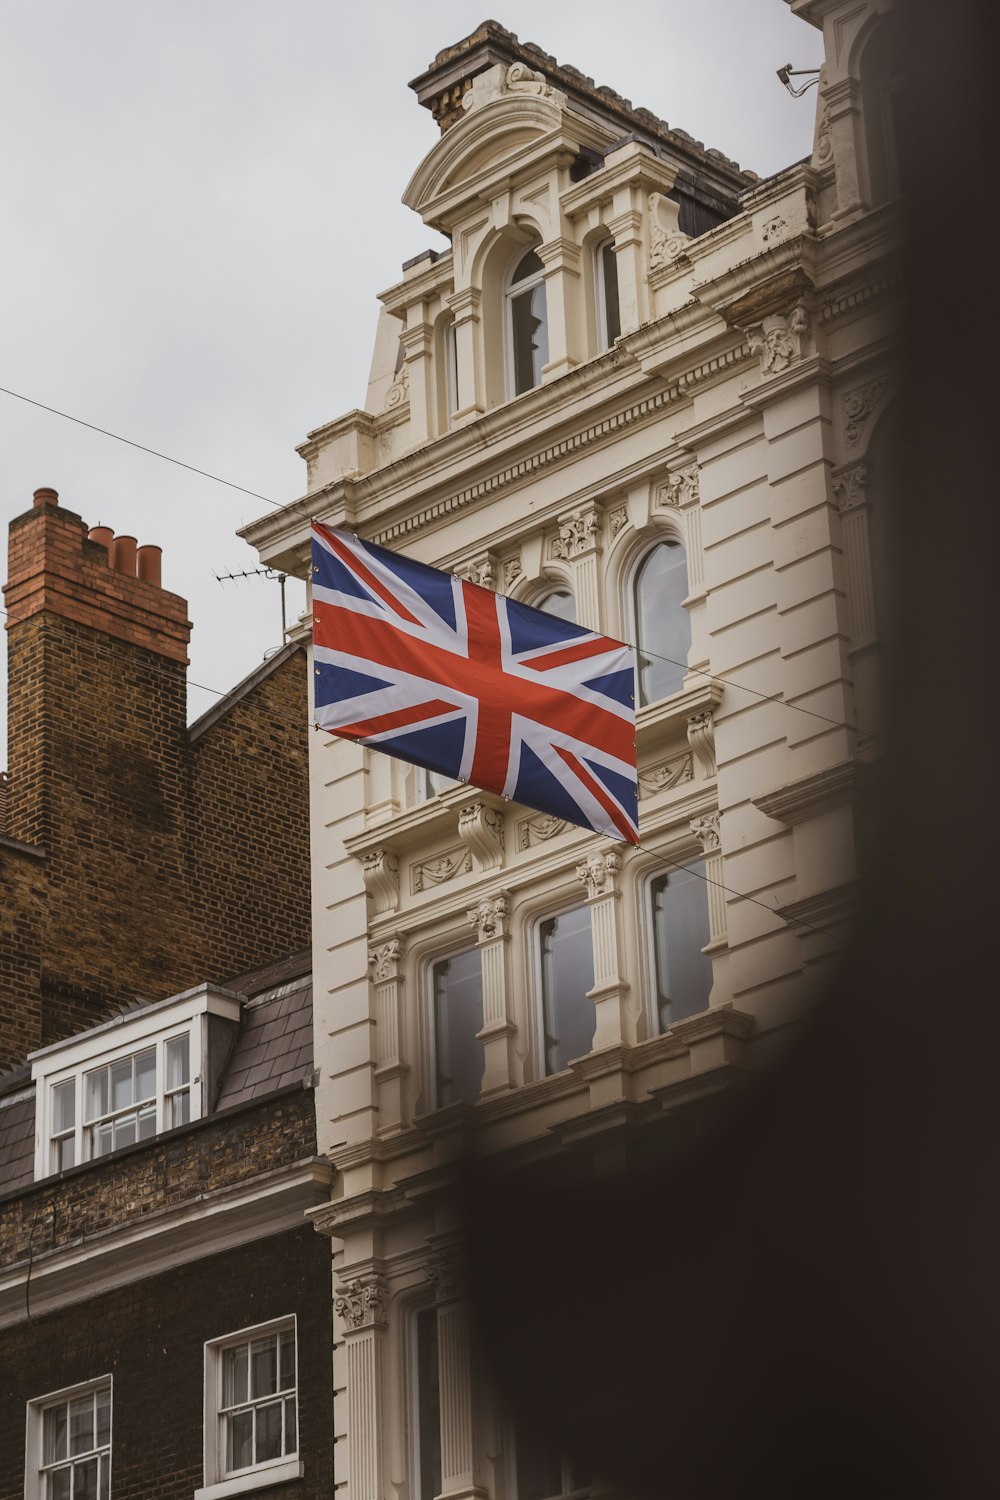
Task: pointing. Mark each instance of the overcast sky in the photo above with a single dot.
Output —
(201, 201)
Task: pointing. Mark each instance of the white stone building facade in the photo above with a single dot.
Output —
(646, 388)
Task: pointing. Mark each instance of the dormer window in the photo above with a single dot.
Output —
(609, 321)
(527, 325)
(129, 1079)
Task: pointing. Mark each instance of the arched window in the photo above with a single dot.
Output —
(662, 626)
(609, 322)
(527, 325)
(559, 602)
(457, 999)
(678, 916)
(882, 102)
(566, 959)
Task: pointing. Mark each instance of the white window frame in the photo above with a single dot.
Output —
(440, 956)
(34, 1479)
(272, 1471)
(601, 298)
(124, 1036)
(538, 977)
(510, 291)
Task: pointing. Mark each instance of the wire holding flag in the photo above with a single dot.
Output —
(446, 674)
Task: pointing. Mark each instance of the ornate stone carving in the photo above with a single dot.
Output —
(773, 229)
(849, 486)
(431, 872)
(520, 79)
(536, 830)
(599, 872)
(681, 489)
(618, 520)
(491, 916)
(858, 407)
(481, 570)
(361, 1303)
(706, 831)
(517, 79)
(824, 145)
(384, 961)
(446, 1274)
(511, 572)
(669, 773)
(381, 875)
(399, 392)
(780, 340)
(701, 738)
(664, 246)
(578, 533)
(481, 830)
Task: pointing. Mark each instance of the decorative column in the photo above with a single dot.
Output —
(458, 1479)
(360, 1303)
(417, 342)
(850, 492)
(579, 544)
(386, 964)
(561, 259)
(600, 873)
(491, 918)
(706, 831)
(626, 225)
(470, 396)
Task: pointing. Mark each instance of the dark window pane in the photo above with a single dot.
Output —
(85, 1480)
(234, 1376)
(567, 975)
(529, 334)
(286, 1361)
(81, 1425)
(291, 1438)
(96, 1094)
(121, 1083)
(662, 624)
(147, 1122)
(264, 1367)
(66, 1152)
(680, 930)
(239, 1446)
(458, 1015)
(609, 274)
(178, 1057)
(64, 1106)
(268, 1443)
(59, 1484)
(103, 1418)
(105, 1478)
(528, 265)
(54, 1434)
(428, 1404)
(101, 1140)
(125, 1132)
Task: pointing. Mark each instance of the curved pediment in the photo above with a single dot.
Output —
(497, 136)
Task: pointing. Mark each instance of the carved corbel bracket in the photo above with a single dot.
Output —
(381, 875)
(481, 830)
(780, 339)
(600, 873)
(446, 1273)
(482, 570)
(491, 916)
(701, 738)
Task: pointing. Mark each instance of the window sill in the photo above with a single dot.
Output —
(258, 1479)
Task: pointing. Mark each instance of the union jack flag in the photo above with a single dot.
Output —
(450, 676)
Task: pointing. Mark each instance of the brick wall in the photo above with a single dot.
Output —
(22, 906)
(169, 859)
(150, 1337)
(226, 1149)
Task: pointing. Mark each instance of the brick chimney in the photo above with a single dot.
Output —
(97, 653)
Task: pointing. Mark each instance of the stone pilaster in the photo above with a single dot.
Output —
(563, 283)
(458, 1477)
(491, 918)
(360, 1304)
(600, 874)
(579, 544)
(417, 346)
(386, 964)
(706, 831)
(850, 492)
(468, 328)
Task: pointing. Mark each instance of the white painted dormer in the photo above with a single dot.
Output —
(143, 1072)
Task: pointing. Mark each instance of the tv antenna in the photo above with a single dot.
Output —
(260, 573)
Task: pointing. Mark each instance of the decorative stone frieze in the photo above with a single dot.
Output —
(490, 916)
(665, 775)
(381, 875)
(481, 570)
(780, 339)
(361, 1302)
(426, 873)
(480, 827)
(859, 404)
(701, 738)
(537, 830)
(599, 872)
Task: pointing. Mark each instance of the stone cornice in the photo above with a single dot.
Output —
(274, 1202)
(823, 909)
(421, 286)
(810, 796)
(633, 163)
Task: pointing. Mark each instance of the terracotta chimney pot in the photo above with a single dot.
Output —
(105, 536)
(148, 559)
(124, 555)
(46, 496)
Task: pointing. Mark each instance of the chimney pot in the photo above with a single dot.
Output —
(105, 536)
(124, 555)
(148, 559)
(46, 496)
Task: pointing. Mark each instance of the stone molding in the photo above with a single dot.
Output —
(381, 875)
(665, 775)
(706, 831)
(849, 484)
(701, 738)
(810, 796)
(532, 831)
(859, 404)
(578, 533)
(440, 868)
(680, 490)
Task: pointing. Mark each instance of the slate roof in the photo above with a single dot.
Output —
(273, 1048)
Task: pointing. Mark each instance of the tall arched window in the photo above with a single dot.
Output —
(678, 911)
(609, 322)
(527, 325)
(559, 602)
(662, 625)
